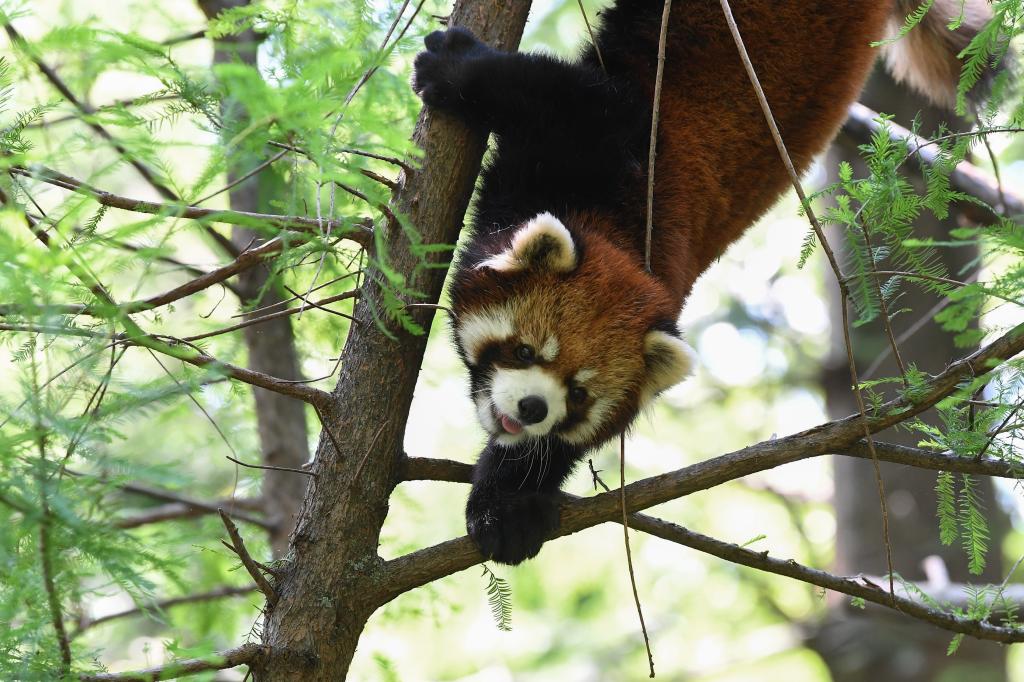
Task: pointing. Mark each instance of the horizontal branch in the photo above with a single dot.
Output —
(422, 468)
(175, 511)
(245, 260)
(200, 506)
(862, 123)
(178, 349)
(308, 394)
(212, 595)
(864, 589)
(357, 232)
(243, 655)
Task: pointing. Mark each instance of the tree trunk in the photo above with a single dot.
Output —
(330, 586)
(281, 421)
(872, 645)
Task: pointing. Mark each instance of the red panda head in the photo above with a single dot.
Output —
(564, 335)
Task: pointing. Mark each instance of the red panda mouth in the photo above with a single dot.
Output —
(510, 425)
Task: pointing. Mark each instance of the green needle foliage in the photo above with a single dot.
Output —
(499, 597)
(81, 412)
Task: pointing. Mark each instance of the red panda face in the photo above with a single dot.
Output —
(563, 336)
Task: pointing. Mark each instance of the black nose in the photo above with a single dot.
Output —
(532, 409)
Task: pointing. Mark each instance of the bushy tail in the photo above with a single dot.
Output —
(926, 57)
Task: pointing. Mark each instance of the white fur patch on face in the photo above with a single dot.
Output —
(544, 243)
(549, 351)
(476, 330)
(585, 375)
(509, 386)
(669, 360)
(585, 431)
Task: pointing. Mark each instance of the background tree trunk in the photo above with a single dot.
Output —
(871, 645)
(281, 421)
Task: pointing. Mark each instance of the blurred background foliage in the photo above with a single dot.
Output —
(761, 326)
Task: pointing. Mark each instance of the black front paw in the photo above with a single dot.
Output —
(439, 72)
(511, 528)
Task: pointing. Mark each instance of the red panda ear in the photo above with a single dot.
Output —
(541, 244)
(668, 361)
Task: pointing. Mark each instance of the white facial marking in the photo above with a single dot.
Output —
(509, 386)
(549, 351)
(585, 375)
(588, 428)
(542, 242)
(475, 330)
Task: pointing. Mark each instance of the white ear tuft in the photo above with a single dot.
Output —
(541, 244)
(669, 360)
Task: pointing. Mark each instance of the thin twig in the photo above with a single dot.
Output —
(286, 301)
(275, 315)
(238, 545)
(194, 505)
(593, 40)
(239, 181)
(884, 307)
(833, 262)
(405, 166)
(597, 479)
(357, 232)
(173, 511)
(327, 429)
(247, 654)
(879, 482)
(652, 148)
(999, 429)
(271, 468)
(219, 593)
(128, 102)
(52, 599)
(629, 554)
(913, 329)
(320, 305)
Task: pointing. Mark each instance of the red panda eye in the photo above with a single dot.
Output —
(525, 353)
(577, 394)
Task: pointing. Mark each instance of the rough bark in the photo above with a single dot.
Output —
(861, 646)
(328, 589)
(281, 421)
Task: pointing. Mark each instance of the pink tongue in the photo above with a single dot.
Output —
(510, 425)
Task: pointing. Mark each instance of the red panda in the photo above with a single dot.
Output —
(564, 332)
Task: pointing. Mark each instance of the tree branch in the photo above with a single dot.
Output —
(177, 349)
(356, 232)
(246, 654)
(421, 468)
(183, 510)
(220, 593)
(238, 546)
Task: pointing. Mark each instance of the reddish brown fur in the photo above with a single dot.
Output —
(717, 166)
